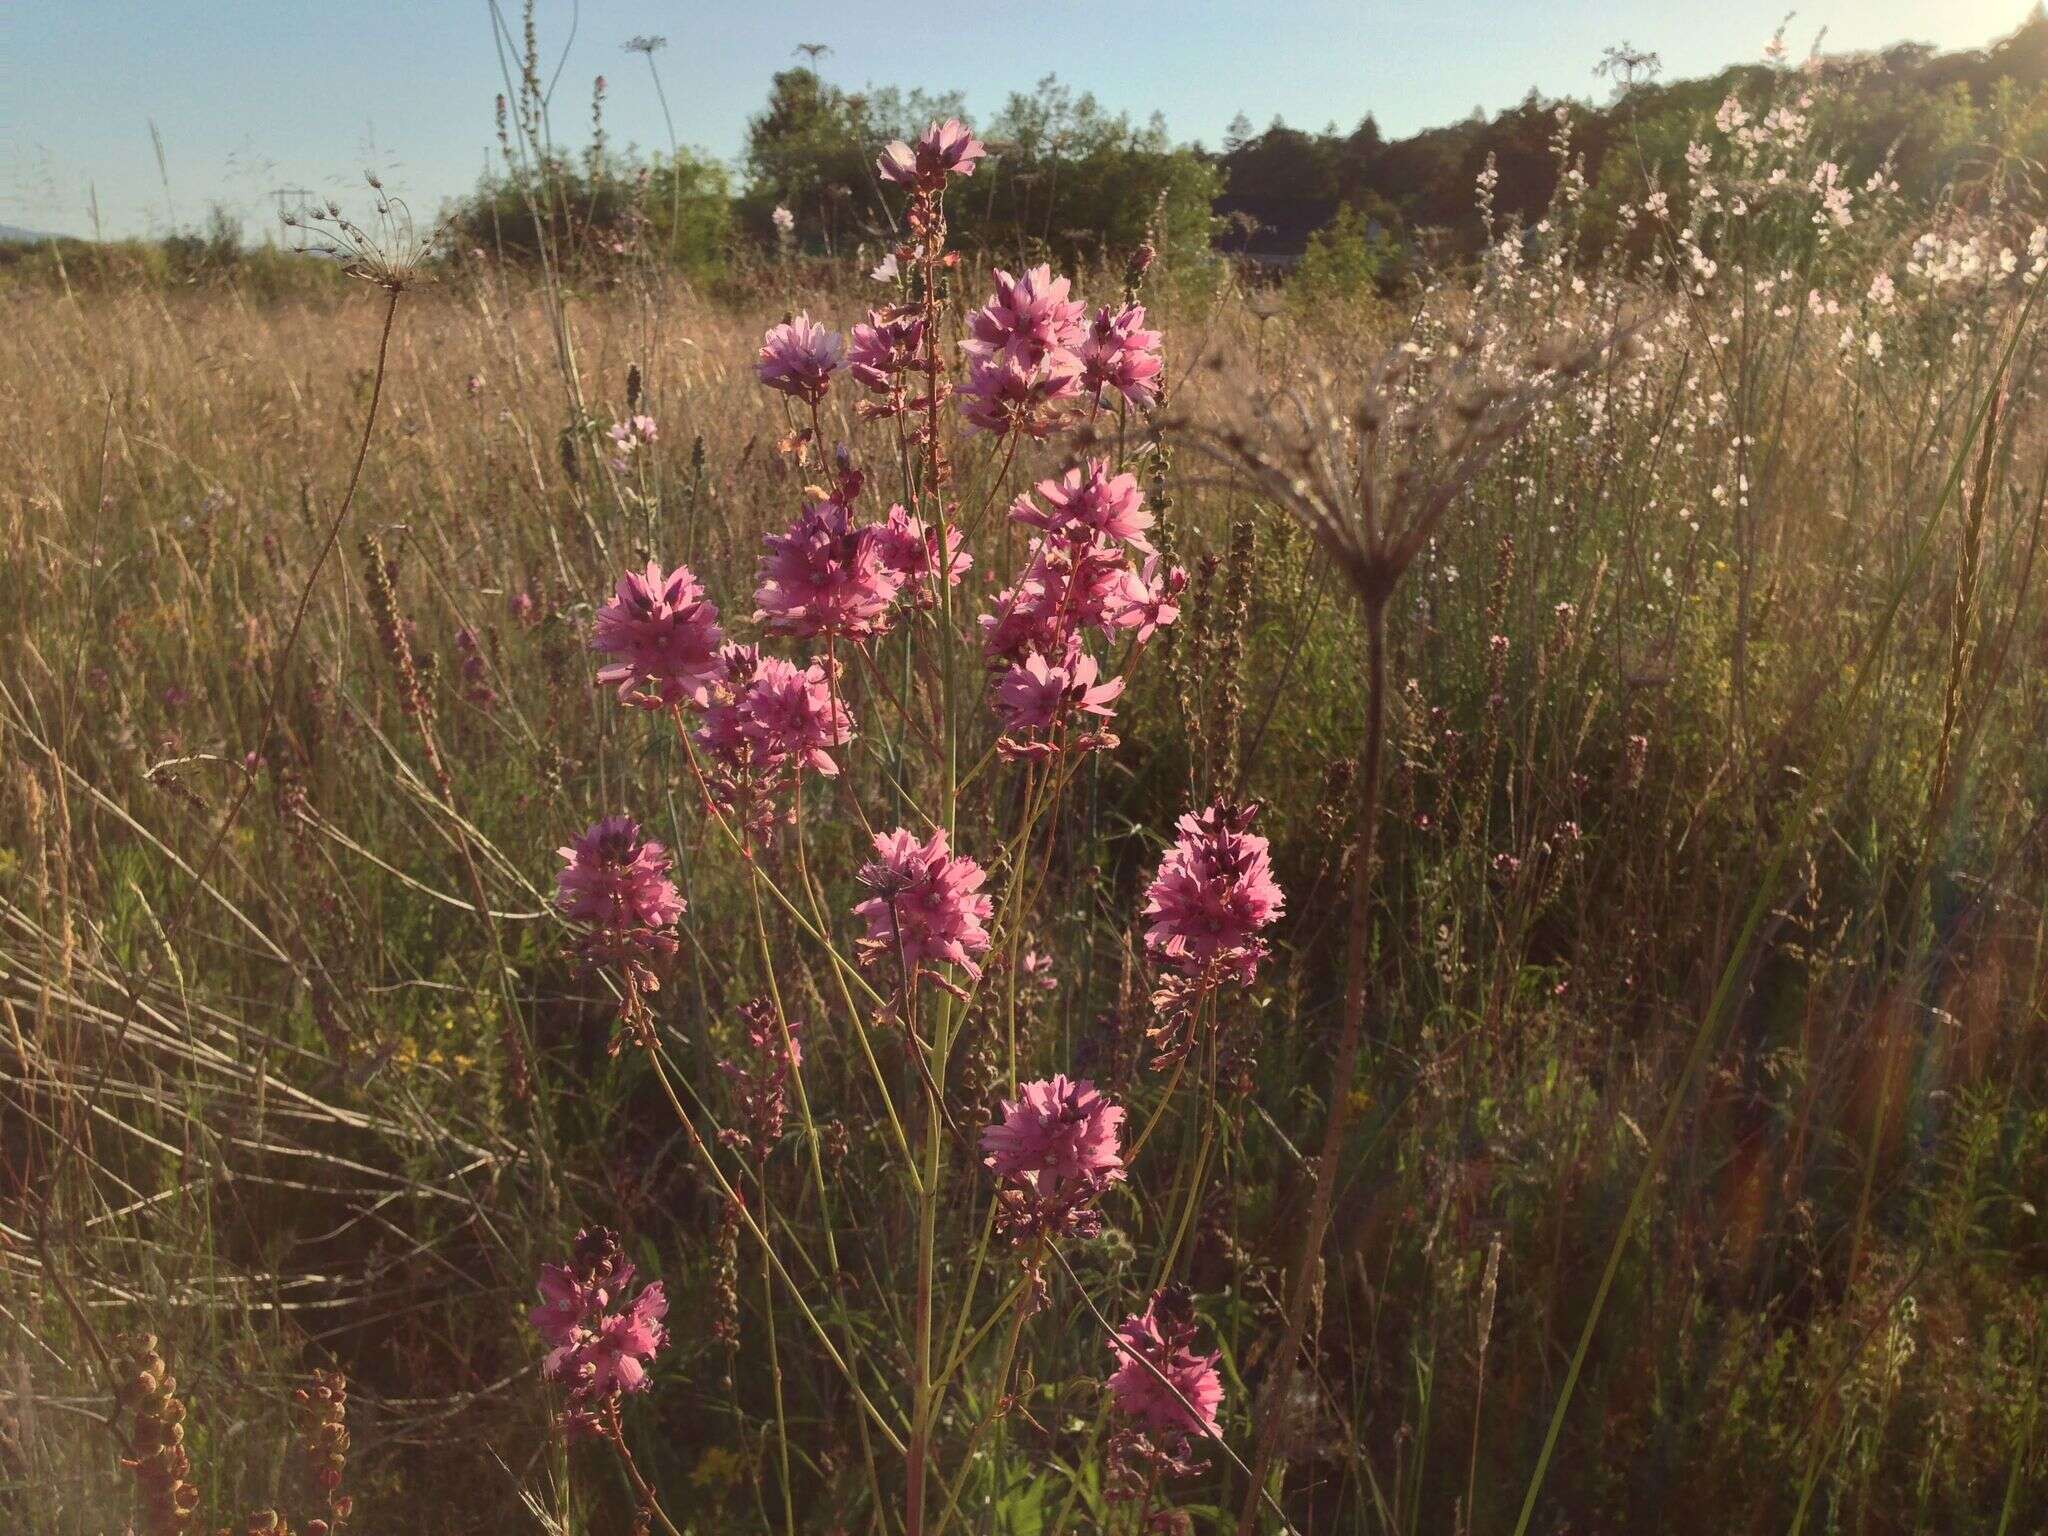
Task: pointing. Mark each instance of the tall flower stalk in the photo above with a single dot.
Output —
(1371, 482)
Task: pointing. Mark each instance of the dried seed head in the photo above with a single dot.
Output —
(1489, 1289)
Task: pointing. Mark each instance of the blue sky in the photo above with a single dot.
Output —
(251, 95)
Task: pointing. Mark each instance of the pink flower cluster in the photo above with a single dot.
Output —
(761, 723)
(927, 904)
(1036, 697)
(1031, 354)
(1029, 319)
(910, 550)
(628, 437)
(662, 636)
(1077, 575)
(1057, 1145)
(1118, 355)
(886, 355)
(831, 576)
(1213, 894)
(1032, 351)
(942, 150)
(615, 886)
(790, 713)
(599, 1343)
(1022, 368)
(1003, 395)
(826, 575)
(799, 357)
(1086, 503)
(1068, 588)
(1160, 1381)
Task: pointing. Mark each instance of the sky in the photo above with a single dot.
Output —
(249, 96)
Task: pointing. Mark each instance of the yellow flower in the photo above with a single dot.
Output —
(717, 1468)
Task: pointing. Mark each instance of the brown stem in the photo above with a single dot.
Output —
(649, 1504)
(1364, 853)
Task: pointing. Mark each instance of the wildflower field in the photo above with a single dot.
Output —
(935, 888)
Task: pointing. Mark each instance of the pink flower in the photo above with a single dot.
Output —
(1145, 598)
(799, 357)
(1003, 395)
(599, 1344)
(745, 774)
(718, 729)
(633, 431)
(927, 903)
(663, 635)
(1039, 970)
(1086, 501)
(1057, 1132)
(1184, 1403)
(825, 576)
(1213, 893)
(941, 150)
(909, 549)
(788, 712)
(616, 1359)
(1029, 319)
(1119, 354)
(615, 885)
(888, 346)
(1036, 695)
(1065, 588)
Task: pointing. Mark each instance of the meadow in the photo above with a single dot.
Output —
(1225, 908)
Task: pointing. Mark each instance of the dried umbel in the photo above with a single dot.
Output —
(156, 1453)
(1371, 477)
(388, 251)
